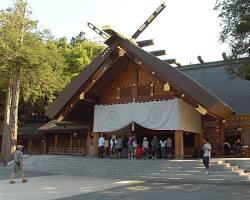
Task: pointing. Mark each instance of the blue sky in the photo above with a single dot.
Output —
(185, 29)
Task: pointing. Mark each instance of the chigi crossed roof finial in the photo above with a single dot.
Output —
(104, 34)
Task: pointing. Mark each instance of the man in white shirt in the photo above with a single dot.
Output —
(207, 154)
(101, 142)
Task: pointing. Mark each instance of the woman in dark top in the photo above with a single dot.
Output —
(238, 147)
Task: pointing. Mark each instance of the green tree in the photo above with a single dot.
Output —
(235, 16)
(30, 63)
(78, 53)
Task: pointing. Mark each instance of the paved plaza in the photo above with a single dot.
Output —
(63, 186)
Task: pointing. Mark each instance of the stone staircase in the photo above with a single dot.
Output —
(160, 170)
(238, 165)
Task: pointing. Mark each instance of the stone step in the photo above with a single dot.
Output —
(158, 169)
(153, 175)
(238, 166)
(129, 167)
(126, 169)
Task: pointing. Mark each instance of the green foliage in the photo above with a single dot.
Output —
(47, 64)
(235, 16)
(21, 42)
(79, 53)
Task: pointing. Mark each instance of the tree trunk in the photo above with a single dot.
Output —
(6, 121)
(12, 140)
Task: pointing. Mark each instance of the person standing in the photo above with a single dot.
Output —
(106, 147)
(135, 145)
(145, 146)
(163, 148)
(169, 147)
(139, 152)
(18, 165)
(119, 146)
(113, 146)
(155, 147)
(101, 142)
(226, 147)
(130, 147)
(238, 147)
(207, 154)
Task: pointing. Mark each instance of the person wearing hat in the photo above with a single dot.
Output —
(145, 146)
(18, 165)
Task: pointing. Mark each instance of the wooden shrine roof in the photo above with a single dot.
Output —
(27, 130)
(62, 127)
(177, 79)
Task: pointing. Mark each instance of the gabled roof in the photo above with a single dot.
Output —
(62, 127)
(182, 81)
(215, 78)
(75, 85)
(27, 130)
(170, 74)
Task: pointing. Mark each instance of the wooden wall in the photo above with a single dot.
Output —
(134, 83)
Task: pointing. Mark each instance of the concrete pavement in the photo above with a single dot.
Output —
(170, 191)
(56, 187)
(77, 178)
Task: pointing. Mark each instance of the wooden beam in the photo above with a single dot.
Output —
(178, 64)
(158, 52)
(145, 43)
(167, 95)
(148, 21)
(170, 61)
(97, 30)
(200, 59)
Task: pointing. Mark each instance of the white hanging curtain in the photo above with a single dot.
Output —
(157, 115)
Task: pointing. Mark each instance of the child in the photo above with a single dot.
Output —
(139, 152)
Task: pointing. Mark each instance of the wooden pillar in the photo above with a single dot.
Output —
(203, 131)
(95, 144)
(198, 144)
(88, 139)
(179, 144)
(56, 140)
(71, 141)
(89, 144)
(44, 146)
(221, 137)
(197, 139)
